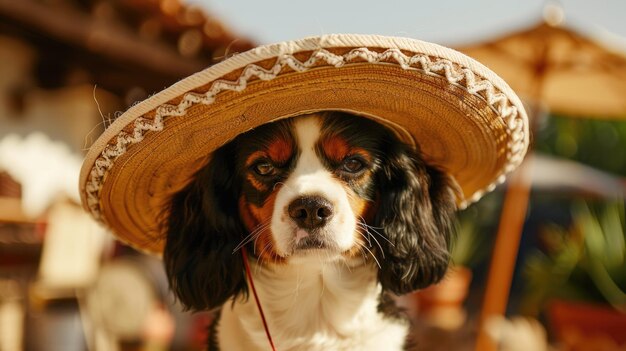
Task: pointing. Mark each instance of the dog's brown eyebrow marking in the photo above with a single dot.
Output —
(336, 149)
(279, 151)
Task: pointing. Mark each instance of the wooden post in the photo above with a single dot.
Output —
(505, 252)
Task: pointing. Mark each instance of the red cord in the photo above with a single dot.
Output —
(256, 297)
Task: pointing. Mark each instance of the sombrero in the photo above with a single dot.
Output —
(465, 119)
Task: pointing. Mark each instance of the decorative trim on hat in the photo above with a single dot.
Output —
(453, 73)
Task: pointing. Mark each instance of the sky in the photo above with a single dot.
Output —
(447, 22)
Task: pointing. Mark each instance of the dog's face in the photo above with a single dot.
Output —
(308, 187)
(323, 187)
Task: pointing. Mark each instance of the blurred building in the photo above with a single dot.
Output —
(66, 68)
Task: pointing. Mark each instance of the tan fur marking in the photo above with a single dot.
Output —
(253, 216)
(280, 150)
(363, 211)
(361, 152)
(255, 183)
(335, 148)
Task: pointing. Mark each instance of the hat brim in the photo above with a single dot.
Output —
(465, 119)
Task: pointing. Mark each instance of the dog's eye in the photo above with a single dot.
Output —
(353, 165)
(264, 168)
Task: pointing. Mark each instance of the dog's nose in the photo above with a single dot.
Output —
(310, 212)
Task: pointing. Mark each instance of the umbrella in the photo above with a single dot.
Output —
(556, 69)
(568, 72)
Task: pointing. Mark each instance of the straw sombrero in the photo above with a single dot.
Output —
(463, 116)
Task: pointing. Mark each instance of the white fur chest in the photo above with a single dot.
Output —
(309, 306)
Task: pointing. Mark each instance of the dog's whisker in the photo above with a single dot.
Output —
(255, 243)
(382, 252)
(362, 231)
(261, 226)
(368, 227)
(267, 246)
(260, 263)
(368, 237)
(375, 231)
(364, 222)
(257, 236)
(252, 236)
(372, 254)
(247, 241)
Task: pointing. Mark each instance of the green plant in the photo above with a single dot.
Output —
(596, 142)
(605, 246)
(584, 262)
(468, 248)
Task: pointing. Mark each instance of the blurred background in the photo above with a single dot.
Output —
(539, 264)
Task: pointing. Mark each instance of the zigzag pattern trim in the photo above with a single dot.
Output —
(461, 77)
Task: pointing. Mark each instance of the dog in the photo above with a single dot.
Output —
(335, 214)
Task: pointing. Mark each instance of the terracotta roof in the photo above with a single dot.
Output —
(120, 43)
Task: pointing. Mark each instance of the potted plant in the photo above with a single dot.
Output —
(580, 279)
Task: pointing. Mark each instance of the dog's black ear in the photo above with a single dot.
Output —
(415, 211)
(203, 229)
